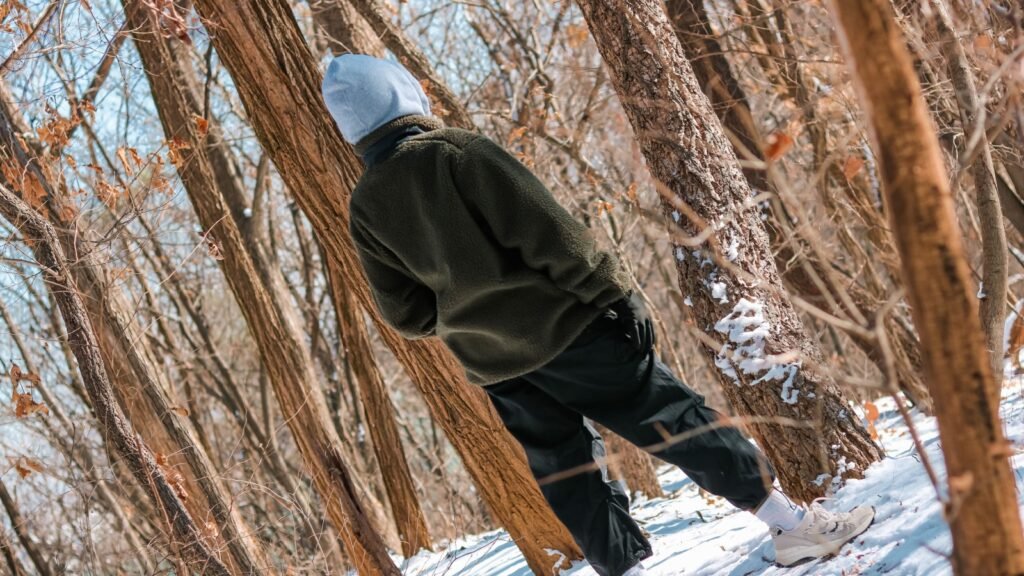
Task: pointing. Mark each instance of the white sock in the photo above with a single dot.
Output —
(779, 512)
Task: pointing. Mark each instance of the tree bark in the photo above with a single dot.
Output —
(10, 556)
(140, 386)
(70, 438)
(990, 214)
(767, 364)
(713, 72)
(43, 567)
(263, 299)
(982, 507)
(279, 85)
(381, 421)
(186, 538)
(631, 465)
(446, 105)
(346, 30)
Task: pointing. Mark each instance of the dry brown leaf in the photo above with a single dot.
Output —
(25, 406)
(130, 159)
(213, 249)
(68, 212)
(180, 411)
(15, 374)
(871, 413)
(174, 478)
(108, 194)
(852, 166)
(26, 466)
(778, 144)
(516, 135)
(174, 147)
(631, 192)
(202, 125)
(577, 34)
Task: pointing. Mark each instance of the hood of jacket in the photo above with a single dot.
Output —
(364, 93)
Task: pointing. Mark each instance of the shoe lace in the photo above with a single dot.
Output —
(825, 521)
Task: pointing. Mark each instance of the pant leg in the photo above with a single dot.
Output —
(605, 378)
(593, 508)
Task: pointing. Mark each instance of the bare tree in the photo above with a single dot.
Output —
(186, 537)
(982, 502)
(260, 294)
(280, 87)
(767, 364)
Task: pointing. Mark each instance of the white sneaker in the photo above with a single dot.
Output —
(821, 533)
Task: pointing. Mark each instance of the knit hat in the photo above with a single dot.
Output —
(363, 93)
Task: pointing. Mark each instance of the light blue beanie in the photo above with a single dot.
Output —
(363, 93)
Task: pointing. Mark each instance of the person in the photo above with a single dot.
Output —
(461, 241)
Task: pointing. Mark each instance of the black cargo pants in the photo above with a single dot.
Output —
(603, 377)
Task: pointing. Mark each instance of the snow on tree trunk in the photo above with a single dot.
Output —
(982, 507)
(768, 366)
(800, 268)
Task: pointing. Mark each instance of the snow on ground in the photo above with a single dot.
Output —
(694, 536)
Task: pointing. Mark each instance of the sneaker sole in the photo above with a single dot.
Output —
(819, 551)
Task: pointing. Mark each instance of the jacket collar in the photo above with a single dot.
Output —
(426, 123)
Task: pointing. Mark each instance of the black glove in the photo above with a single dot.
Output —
(631, 314)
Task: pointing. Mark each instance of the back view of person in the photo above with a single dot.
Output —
(462, 242)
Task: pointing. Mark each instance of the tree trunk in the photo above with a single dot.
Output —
(186, 538)
(380, 421)
(277, 80)
(346, 30)
(43, 567)
(71, 438)
(982, 508)
(800, 268)
(768, 366)
(140, 386)
(990, 214)
(14, 565)
(445, 104)
(263, 299)
(631, 465)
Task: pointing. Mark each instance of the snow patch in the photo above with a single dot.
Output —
(732, 250)
(747, 331)
(719, 292)
(699, 536)
(561, 561)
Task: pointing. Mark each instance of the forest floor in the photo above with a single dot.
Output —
(693, 535)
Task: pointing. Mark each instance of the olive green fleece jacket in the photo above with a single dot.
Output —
(460, 240)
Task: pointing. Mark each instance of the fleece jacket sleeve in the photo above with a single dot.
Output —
(406, 304)
(524, 216)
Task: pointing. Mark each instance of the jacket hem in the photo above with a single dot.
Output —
(572, 336)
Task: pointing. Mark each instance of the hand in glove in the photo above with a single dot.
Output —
(632, 315)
